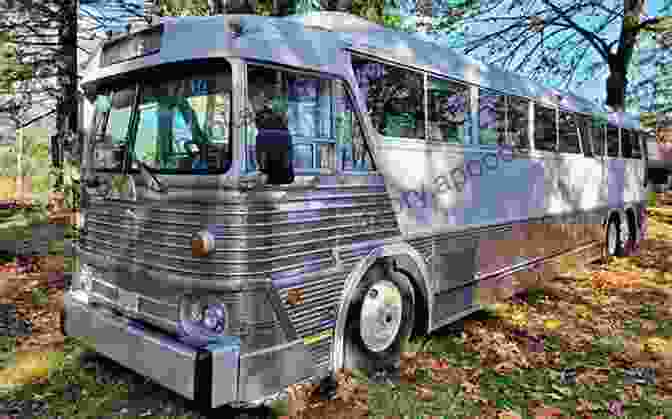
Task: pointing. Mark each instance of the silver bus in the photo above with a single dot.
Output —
(270, 199)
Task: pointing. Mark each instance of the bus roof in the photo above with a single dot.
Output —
(319, 41)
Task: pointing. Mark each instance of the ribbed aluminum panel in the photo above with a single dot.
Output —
(294, 236)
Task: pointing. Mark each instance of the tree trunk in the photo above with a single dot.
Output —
(423, 11)
(220, 7)
(336, 5)
(67, 107)
(616, 84)
(620, 61)
(283, 7)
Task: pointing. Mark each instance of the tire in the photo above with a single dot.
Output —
(384, 303)
(630, 235)
(614, 241)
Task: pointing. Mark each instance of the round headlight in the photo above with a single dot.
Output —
(202, 319)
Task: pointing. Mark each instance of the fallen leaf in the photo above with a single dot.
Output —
(424, 393)
(547, 413)
(508, 415)
(552, 324)
(440, 364)
(505, 367)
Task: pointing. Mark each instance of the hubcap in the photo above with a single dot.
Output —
(625, 228)
(612, 238)
(381, 316)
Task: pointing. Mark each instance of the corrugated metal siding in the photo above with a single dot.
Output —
(292, 238)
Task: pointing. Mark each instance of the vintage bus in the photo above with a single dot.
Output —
(414, 187)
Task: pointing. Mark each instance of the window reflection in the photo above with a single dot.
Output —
(612, 140)
(395, 97)
(569, 133)
(492, 117)
(449, 111)
(545, 136)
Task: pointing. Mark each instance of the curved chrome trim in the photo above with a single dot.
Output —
(353, 279)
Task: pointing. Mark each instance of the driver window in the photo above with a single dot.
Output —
(184, 125)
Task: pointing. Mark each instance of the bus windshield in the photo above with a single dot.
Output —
(180, 126)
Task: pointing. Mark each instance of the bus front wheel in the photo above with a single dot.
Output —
(380, 318)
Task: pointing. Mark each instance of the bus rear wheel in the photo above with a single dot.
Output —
(614, 240)
(380, 317)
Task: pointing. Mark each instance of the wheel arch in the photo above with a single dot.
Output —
(406, 260)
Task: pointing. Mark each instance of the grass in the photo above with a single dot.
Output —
(511, 361)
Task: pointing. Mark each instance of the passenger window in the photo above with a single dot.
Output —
(302, 105)
(569, 133)
(394, 97)
(353, 152)
(636, 146)
(612, 140)
(626, 141)
(518, 118)
(598, 136)
(449, 111)
(584, 130)
(492, 117)
(545, 135)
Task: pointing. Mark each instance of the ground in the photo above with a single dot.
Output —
(609, 327)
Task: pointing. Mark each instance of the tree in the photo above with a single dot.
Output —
(560, 40)
(45, 34)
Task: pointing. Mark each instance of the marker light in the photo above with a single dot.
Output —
(202, 244)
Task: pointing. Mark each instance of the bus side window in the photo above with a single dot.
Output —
(518, 120)
(395, 97)
(569, 135)
(448, 111)
(491, 117)
(585, 131)
(353, 153)
(545, 134)
(612, 140)
(636, 146)
(598, 133)
(627, 143)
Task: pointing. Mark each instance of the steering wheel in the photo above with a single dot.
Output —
(191, 148)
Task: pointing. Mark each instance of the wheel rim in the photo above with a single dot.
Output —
(611, 239)
(381, 316)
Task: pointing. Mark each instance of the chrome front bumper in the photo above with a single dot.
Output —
(212, 376)
(208, 376)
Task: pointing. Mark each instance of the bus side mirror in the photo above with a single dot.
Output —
(274, 155)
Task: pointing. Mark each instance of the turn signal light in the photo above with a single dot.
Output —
(202, 244)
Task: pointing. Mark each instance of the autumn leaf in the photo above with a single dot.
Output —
(440, 364)
(655, 345)
(552, 324)
(505, 367)
(424, 393)
(547, 413)
(508, 415)
(583, 311)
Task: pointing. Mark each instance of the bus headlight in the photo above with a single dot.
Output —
(202, 318)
